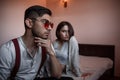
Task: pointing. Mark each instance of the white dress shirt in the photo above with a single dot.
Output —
(28, 65)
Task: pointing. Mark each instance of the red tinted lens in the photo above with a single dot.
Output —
(46, 25)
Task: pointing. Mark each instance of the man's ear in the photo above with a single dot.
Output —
(29, 23)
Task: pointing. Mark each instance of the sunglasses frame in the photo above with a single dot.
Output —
(46, 22)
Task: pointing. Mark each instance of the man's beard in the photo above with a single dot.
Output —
(35, 35)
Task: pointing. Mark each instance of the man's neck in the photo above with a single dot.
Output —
(30, 45)
(28, 41)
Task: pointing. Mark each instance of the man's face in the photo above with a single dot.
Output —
(42, 26)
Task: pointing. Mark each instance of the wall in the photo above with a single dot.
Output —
(12, 17)
(94, 22)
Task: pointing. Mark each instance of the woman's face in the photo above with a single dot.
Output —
(64, 33)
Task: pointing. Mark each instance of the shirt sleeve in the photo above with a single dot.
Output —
(75, 58)
(5, 62)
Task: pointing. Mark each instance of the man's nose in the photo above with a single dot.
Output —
(49, 28)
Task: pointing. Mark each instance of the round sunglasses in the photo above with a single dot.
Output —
(46, 23)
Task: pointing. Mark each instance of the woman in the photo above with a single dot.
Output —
(67, 50)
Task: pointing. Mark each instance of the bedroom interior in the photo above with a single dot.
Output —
(95, 23)
(99, 51)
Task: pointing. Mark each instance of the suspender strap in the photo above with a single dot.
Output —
(44, 56)
(17, 60)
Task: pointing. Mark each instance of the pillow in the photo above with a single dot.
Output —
(91, 63)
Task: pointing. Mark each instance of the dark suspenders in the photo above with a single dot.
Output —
(17, 60)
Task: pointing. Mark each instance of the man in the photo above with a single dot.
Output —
(38, 25)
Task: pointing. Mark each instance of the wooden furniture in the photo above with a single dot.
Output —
(111, 78)
(100, 51)
(116, 78)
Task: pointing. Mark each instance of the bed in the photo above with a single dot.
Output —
(97, 59)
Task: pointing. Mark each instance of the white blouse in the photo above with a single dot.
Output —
(69, 55)
(61, 54)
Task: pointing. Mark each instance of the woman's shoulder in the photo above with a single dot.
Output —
(73, 40)
(55, 43)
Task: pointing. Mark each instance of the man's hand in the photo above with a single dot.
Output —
(55, 66)
(44, 43)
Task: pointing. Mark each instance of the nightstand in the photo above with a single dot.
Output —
(116, 78)
(110, 78)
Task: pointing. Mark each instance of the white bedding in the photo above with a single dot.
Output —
(95, 65)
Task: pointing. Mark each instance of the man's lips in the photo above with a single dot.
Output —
(47, 34)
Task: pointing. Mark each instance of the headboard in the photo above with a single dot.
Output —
(100, 51)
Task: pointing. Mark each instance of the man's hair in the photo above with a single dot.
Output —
(36, 11)
(61, 25)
